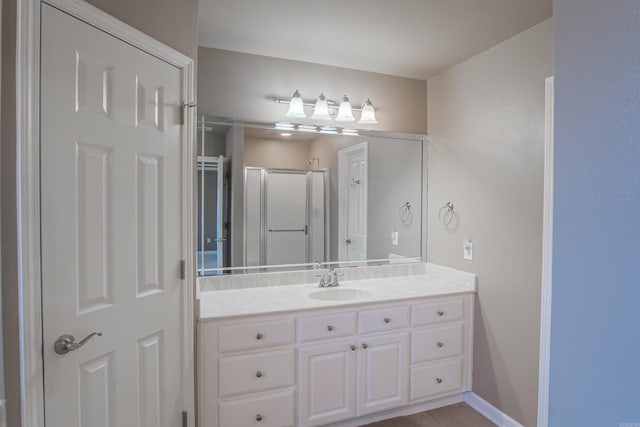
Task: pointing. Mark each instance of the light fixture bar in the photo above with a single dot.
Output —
(332, 104)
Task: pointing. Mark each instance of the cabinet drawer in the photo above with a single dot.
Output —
(383, 319)
(326, 326)
(256, 372)
(270, 410)
(248, 335)
(437, 312)
(436, 342)
(435, 378)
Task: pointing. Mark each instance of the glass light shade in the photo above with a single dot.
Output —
(368, 116)
(321, 110)
(344, 111)
(296, 107)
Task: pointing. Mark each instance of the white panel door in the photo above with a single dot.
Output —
(111, 229)
(383, 381)
(326, 383)
(353, 176)
(286, 217)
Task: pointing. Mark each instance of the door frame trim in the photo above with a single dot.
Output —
(547, 261)
(28, 189)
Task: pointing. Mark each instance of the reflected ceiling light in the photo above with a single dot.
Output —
(296, 106)
(368, 116)
(329, 129)
(285, 134)
(285, 126)
(350, 132)
(321, 109)
(344, 111)
(307, 128)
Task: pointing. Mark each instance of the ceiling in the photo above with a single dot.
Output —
(408, 38)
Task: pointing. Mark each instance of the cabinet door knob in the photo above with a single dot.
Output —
(440, 313)
(387, 320)
(365, 345)
(259, 374)
(330, 328)
(258, 417)
(440, 344)
(439, 380)
(258, 336)
(353, 347)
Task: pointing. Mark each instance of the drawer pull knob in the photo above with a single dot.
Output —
(440, 344)
(365, 345)
(439, 380)
(440, 313)
(258, 417)
(387, 320)
(330, 328)
(259, 336)
(353, 347)
(259, 374)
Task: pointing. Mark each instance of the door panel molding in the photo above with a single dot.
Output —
(28, 210)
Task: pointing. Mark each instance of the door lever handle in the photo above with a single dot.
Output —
(67, 343)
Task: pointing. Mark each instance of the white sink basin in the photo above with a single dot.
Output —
(340, 294)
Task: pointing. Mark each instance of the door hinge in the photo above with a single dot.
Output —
(184, 418)
(183, 269)
(183, 111)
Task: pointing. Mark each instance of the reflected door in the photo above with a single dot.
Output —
(286, 217)
(352, 203)
(111, 229)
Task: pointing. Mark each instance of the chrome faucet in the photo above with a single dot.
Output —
(330, 280)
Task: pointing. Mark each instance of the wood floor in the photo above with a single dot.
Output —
(458, 415)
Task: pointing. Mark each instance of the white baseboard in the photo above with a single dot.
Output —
(488, 410)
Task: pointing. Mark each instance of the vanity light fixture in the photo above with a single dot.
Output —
(321, 109)
(296, 106)
(368, 116)
(325, 109)
(345, 113)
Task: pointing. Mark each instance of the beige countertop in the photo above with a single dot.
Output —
(436, 281)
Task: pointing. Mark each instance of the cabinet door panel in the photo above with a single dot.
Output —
(384, 372)
(326, 383)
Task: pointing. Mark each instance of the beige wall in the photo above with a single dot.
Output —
(279, 154)
(238, 85)
(170, 21)
(173, 22)
(486, 124)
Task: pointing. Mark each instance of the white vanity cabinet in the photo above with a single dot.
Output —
(333, 365)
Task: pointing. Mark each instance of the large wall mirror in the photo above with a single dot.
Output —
(280, 196)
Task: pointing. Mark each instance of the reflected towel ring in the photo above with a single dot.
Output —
(404, 213)
(445, 214)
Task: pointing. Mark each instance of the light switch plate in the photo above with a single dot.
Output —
(394, 238)
(467, 250)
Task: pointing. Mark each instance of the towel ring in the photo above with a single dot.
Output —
(445, 214)
(404, 213)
